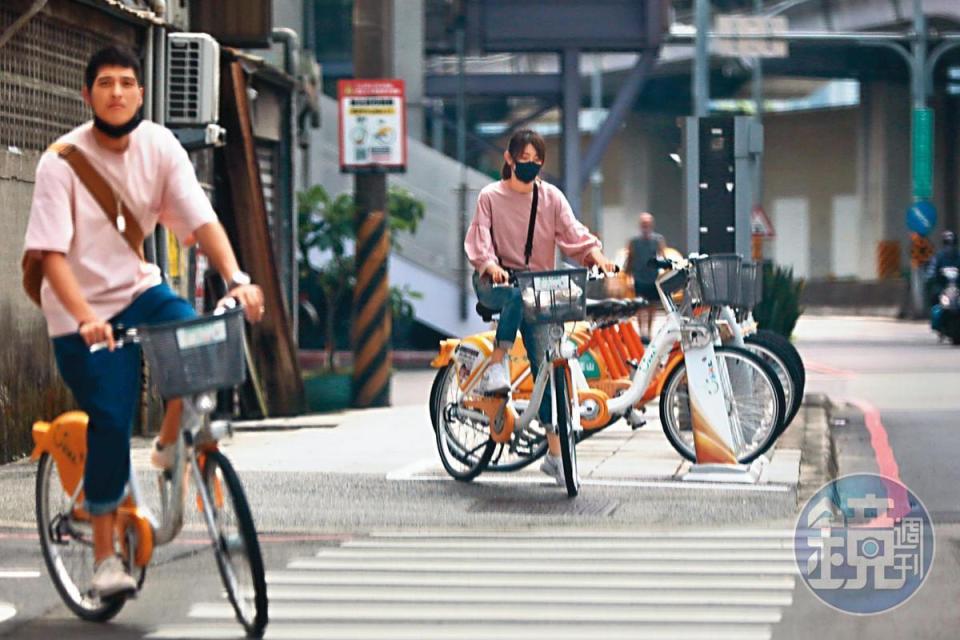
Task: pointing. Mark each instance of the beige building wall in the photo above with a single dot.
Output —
(810, 172)
(16, 191)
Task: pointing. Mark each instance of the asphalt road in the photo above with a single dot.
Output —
(358, 547)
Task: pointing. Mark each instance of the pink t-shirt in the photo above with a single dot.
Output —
(499, 229)
(156, 180)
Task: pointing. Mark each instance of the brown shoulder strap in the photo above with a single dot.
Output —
(111, 204)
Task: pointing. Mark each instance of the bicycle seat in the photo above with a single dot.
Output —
(486, 313)
(635, 304)
(605, 308)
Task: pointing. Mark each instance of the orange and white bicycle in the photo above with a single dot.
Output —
(191, 359)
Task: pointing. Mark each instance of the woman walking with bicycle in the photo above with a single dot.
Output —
(99, 190)
(520, 222)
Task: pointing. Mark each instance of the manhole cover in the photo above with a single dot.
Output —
(578, 507)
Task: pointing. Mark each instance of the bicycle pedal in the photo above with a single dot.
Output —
(638, 425)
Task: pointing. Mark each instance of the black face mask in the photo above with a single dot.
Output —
(526, 171)
(120, 130)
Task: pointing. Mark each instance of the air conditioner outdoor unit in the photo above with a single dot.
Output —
(193, 80)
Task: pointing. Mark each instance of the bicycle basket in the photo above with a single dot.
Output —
(751, 284)
(192, 356)
(551, 297)
(718, 279)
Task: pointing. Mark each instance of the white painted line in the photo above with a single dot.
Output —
(553, 568)
(548, 595)
(363, 556)
(7, 611)
(566, 534)
(407, 472)
(504, 612)
(14, 574)
(560, 546)
(413, 631)
(633, 484)
(510, 581)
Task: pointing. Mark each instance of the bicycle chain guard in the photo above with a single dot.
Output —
(500, 414)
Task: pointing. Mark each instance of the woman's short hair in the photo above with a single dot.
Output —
(518, 142)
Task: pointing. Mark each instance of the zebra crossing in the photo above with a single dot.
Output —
(466, 585)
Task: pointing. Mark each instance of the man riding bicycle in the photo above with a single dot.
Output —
(94, 279)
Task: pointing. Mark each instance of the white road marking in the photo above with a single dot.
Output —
(7, 611)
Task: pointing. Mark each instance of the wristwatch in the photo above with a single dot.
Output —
(239, 279)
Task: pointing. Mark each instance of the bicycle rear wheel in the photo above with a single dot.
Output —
(786, 371)
(568, 437)
(236, 546)
(66, 542)
(757, 400)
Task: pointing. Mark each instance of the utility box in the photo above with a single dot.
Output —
(193, 80)
(722, 156)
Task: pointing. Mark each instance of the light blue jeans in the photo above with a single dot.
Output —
(507, 301)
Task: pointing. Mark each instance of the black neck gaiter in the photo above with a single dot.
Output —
(120, 130)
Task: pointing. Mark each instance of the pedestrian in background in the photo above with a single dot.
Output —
(641, 249)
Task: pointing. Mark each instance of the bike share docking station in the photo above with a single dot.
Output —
(722, 162)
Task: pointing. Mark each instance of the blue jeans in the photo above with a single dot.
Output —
(507, 301)
(106, 385)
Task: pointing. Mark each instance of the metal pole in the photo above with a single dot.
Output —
(461, 38)
(596, 177)
(371, 299)
(701, 61)
(918, 84)
(571, 128)
(758, 115)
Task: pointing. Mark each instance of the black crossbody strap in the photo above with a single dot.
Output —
(528, 249)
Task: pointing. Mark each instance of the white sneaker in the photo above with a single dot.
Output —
(161, 455)
(553, 467)
(110, 579)
(495, 379)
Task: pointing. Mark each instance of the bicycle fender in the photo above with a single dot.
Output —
(65, 439)
(442, 358)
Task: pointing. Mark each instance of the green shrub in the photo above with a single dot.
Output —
(780, 308)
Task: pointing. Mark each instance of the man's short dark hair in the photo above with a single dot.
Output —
(112, 56)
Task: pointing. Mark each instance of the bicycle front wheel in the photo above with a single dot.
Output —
(236, 546)
(568, 437)
(66, 541)
(464, 446)
(756, 403)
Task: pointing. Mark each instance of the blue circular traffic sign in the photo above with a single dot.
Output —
(921, 217)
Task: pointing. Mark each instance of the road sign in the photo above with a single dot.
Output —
(760, 224)
(922, 139)
(373, 125)
(752, 46)
(922, 217)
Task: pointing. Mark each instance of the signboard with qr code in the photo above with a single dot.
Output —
(202, 335)
(373, 119)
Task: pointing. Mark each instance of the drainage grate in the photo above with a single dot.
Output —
(578, 507)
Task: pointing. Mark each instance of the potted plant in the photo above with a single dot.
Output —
(328, 275)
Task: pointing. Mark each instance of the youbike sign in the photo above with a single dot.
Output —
(373, 118)
(864, 544)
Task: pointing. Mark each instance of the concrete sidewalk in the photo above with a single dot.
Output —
(398, 441)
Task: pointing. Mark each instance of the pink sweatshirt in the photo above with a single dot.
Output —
(499, 229)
